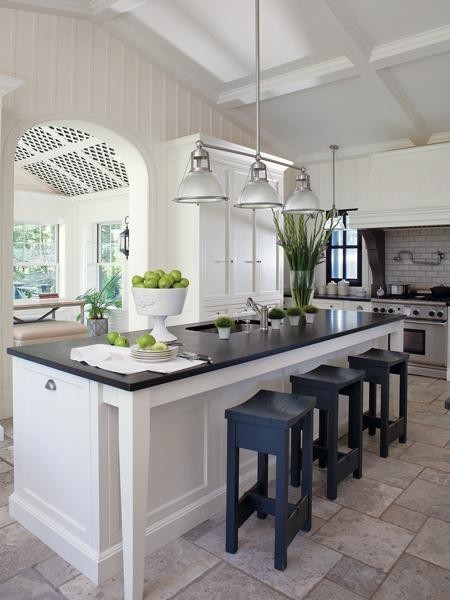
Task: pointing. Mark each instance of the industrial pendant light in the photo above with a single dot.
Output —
(257, 192)
(303, 200)
(200, 186)
(336, 220)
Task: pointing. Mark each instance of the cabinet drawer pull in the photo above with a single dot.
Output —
(219, 261)
(259, 261)
(231, 261)
(248, 261)
(50, 385)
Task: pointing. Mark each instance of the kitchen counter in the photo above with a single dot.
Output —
(110, 467)
(337, 297)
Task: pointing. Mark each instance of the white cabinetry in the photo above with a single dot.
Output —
(228, 253)
(337, 304)
(343, 304)
(356, 305)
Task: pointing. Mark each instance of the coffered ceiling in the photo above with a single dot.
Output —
(353, 72)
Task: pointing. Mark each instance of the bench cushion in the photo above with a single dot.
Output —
(47, 331)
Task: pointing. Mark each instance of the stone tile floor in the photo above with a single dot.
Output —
(387, 536)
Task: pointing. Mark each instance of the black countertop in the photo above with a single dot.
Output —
(337, 297)
(240, 348)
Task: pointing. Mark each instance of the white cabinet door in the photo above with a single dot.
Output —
(337, 304)
(267, 263)
(214, 240)
(355, 305)
(242, 250)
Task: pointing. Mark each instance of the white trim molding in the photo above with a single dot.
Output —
(8, 84)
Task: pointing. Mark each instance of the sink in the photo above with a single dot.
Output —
(239, 326)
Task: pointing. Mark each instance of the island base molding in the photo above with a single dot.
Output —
(69, 442)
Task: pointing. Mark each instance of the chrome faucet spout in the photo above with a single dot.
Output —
(252, 304)
(262, 312)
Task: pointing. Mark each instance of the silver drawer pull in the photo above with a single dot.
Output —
(219, 261)
(50, 385)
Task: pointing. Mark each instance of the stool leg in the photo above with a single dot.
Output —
(332, 455)
(384, 418)
(307, 463)
(323, 436)
(403, 400)
(355, 410)
(372, 406)
(296, 456)
(281, 501)
(262, 479)
(232, 489)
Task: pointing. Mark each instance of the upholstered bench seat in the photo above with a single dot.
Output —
(47, 331)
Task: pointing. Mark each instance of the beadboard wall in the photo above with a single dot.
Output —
(423, 242)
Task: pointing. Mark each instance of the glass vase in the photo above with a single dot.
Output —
(302, 287)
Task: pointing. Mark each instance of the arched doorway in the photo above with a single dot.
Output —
(142, 210)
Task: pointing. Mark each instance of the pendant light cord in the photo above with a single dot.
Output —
(258, 133)
(333, 148)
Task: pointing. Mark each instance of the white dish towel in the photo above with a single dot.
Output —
(118, 360)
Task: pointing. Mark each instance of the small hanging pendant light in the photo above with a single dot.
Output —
(336, 220)
(124, 239)
(302, 200)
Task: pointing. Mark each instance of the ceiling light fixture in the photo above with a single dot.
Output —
(335, 220)
(201, 186)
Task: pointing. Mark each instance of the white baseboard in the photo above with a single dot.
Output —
(2, 433)
(99, 567)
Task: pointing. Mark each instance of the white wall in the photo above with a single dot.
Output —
(74, 69)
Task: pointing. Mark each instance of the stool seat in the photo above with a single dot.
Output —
(382, 358)
(272, 409)
(329, 377)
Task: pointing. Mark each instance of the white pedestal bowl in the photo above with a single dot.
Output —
(160, 304)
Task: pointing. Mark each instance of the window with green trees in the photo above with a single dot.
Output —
(108, 259)
(35, 267)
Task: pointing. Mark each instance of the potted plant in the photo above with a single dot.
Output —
(224, 325)
(98, 304)
(294, 313)
(310, 312)
(276, 315)
(304, 240)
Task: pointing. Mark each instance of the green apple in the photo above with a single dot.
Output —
(151, 283)
(165, 282)
(176, 274)
(178, 285)
(170, 278)
(145, 341)
(111, 337)
(136, 279)
(149, 274)
(121, 341)
(184, 282)
(160, 272)
(141, 284)
(158, 346)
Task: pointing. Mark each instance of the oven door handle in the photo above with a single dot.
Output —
(417, 322)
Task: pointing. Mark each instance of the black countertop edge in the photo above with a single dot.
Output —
(239, 349)
(336, 297)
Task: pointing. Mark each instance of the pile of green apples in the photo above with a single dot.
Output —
(116, 339)
(160, 279)
(146, 341)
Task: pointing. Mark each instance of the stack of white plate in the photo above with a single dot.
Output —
(153, 355)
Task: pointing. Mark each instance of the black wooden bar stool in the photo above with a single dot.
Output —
(326, 383)
(262, 424)
(378, 365)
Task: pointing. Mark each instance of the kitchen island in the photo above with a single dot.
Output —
(77, 428)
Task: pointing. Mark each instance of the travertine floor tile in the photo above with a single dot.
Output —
(427, 498)
(4, 466)
(19, 549)
(56, 570)
(428, 414)
(224, 581)
(371, 443)
(438, 477)
(414, 579)
(427, 434)
(419, 380)
(6, 443)
(204, 527)
(81, 588)
(6, 486)
(7, 454)
(403, 517)
(323, 508)
(440, 400)
(419, 393)
(308, 562)
(370, 540)
(5, 518)
(328, 589)
(389, 470)
(356, 576)
(432, 543)
(7, 425)
(428, 456)
(28, 585)
(366, 495)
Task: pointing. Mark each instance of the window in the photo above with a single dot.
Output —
(344, 256)
(108, 259)
(35, 269)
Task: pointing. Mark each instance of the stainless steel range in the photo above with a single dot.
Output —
(425, 332)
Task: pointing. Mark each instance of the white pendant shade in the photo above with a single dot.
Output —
(335, 222)
(257, 192)
(200, 187)
(303, 200)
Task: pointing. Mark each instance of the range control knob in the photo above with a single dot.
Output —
(416, 312)
(431, 313)
(440, 314)
(375, 309)
(390, 310)
(382, 310)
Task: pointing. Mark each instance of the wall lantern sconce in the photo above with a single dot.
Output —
(125, 239)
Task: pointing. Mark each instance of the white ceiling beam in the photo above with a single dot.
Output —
(40, 156)
(292, 81)
(8, 84)
(340, 22)
(110, 9)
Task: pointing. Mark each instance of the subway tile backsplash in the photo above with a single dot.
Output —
(423, 243)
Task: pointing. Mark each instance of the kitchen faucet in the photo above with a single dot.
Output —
(262, 312)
